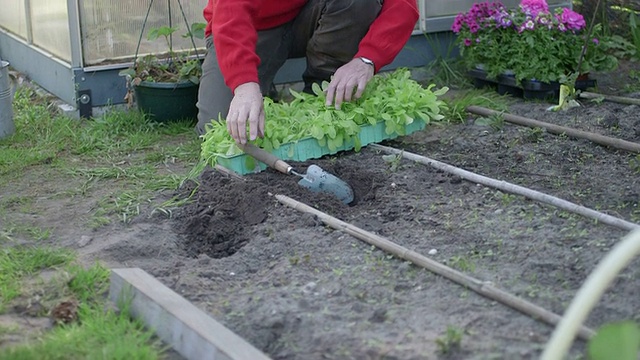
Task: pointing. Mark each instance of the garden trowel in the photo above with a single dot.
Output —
(315, 179)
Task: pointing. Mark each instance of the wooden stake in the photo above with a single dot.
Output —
(512, 188)
(612, 98)
(484, 288)
(557, 129)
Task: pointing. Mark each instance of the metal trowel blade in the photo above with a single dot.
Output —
(318, 180)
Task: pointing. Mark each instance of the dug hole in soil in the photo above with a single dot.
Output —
(297, 289)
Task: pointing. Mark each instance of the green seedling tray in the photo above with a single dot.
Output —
(309, 148)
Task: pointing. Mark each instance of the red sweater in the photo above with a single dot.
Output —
(234, 24)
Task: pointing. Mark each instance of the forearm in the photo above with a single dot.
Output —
(235, 37)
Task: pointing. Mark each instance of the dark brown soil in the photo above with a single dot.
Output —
(299, 290)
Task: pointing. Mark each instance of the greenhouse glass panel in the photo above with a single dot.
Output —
(14, 18)
(50, 27)
(111, 28)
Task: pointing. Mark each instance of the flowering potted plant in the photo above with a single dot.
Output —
(530, 42)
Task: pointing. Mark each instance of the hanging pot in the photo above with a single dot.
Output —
(166, 102)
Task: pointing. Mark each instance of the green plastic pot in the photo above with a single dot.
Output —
(167, 102)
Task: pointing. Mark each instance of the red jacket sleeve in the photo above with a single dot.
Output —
(389, 32)
(235, 37)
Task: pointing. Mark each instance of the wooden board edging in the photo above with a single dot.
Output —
(190, 331)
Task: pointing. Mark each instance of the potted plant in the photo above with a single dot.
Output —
(166, 86)
(530, 42)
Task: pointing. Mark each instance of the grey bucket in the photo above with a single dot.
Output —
(7, 127)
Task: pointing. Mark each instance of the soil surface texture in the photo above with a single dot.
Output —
(297, 289)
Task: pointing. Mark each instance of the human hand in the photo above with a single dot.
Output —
(351, 76)
(247, 104)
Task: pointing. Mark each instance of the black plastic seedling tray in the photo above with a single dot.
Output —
(527, 89)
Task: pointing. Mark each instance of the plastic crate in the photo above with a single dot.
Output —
(309, 148)
(528, 89)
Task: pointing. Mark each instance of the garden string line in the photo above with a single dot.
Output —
(557, 129)
(512, 188)
(484, 288)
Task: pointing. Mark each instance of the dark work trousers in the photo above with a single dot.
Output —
(326, 32)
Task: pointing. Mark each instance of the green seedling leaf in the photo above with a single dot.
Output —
(164, 31)
(128, 72)
(197, 31)
(620, 341)
(483, 121)
(390, 158)
(316, 89)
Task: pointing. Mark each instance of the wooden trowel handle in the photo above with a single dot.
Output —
(266, 157)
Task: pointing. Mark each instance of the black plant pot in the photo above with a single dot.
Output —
(527, 89)
(166, 102)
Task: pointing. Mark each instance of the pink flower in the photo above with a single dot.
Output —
(595, 41)
(467, 42)
(534, 7)
(571, 19)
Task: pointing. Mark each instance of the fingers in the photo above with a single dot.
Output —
(246, 106)
(256, 122)
(261, 123)
(237, 125)
(331, 93)
(362, 85)
(348, 83)
(341, 90)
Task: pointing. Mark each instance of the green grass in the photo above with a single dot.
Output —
(99, 335)
(458, 103)
(122, 151)
(117, 164)
(16, 263)
(100, 332)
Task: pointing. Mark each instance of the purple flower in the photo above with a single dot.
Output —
(502, 19)
(595, 41)
(467, 42)
(534, 7)
(571, 19)
(528, 25)
(458, 22)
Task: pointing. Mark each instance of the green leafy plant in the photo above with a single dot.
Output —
(542, 45)
(392, 98)
(174, 66)
(619, 340)
(635, 32)
(450, 341)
